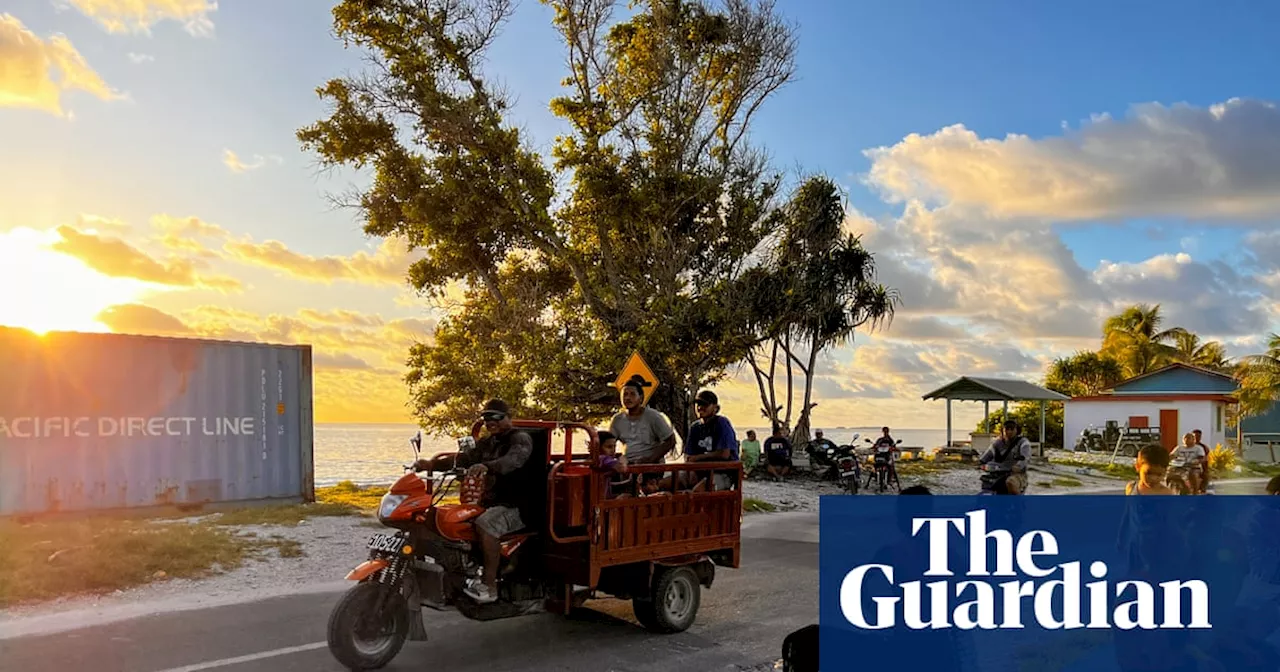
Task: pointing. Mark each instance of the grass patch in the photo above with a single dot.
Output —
(752, 505)
(43, 560)
(1067, 482)
(919, 468)
(1123, 471)
(1043, 484)
(1263, 469)
(349, 494)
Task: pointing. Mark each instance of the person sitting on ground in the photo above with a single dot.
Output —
(1152, 465)
(509, 500)
(615, 465)
(711, 438)
(750, 450)
(1010, 453)
(1204, 476)
(777, 450)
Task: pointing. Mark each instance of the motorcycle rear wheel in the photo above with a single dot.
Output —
(347, 624)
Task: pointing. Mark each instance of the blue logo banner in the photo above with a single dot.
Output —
(1049, 584)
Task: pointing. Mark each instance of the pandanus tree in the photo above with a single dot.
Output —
(824, 289)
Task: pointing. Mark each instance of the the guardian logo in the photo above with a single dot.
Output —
(1032, 555)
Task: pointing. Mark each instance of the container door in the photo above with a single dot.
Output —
(1169, 428)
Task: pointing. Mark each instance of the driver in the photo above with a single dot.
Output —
(885, 442)
(821, 443)
(1010, 453)
(499, 455)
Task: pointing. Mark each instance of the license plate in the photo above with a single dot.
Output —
(847, 474)
(387, 543)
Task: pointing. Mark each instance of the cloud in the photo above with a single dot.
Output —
(236, 165)
(139, 16)
(138, 59)
(134, 318)
(349, 317)
(27, 63)
(1222, 161)
(341, 361)
(115, 258)
(385, 266)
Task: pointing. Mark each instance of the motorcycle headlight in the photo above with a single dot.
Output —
(389, 503)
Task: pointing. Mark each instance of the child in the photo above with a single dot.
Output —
(1152, 466)
(609, 461)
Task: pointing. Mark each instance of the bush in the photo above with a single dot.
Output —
(1221, 460)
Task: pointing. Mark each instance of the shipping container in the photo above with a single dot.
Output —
(109, 421)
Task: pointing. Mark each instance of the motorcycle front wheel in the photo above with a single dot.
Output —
(363, 636)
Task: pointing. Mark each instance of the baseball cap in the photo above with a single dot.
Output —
(707, 397)
(495, 409)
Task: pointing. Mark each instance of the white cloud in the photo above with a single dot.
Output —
(237, 165)
(139, 16)
(1217, 162)
(141, 58)
(27, 64)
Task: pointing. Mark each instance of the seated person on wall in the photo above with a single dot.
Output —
(777, 449)
(509, 500)
(711, 439)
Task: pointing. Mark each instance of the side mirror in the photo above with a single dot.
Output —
(898, 442)
(416, 442)
(867, 440)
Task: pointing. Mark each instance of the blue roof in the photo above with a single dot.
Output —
(1178, 379)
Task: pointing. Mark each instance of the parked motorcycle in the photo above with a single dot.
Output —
(993, 480)
(828, 459)
(848, 469)
(884, 471)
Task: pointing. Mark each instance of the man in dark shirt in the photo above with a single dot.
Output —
(500, 455)
(712, 438)
(778, 451)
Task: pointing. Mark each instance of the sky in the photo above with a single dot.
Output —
(1019, 170)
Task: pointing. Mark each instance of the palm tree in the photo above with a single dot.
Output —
(1207, 354)
(1134, 339)
(1260, 379)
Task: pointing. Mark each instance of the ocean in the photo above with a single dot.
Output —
(375, 454)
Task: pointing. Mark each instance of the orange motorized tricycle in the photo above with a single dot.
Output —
(657, 549)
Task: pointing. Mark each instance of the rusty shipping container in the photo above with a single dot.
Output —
(107, 421)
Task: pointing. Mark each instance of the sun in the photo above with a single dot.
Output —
(45, 291)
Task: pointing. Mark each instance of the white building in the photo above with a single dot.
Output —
(1174, 400)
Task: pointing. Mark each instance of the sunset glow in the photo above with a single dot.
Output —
(48, 291)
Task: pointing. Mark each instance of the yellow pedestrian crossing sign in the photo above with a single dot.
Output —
(637, 368)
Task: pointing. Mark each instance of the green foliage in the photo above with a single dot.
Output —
(1260, 379)
(1027, 414)
(1083, 374)
(636, 233)
(1221, 460)
(1134, 339)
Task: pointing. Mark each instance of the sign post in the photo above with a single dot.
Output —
(637, 368)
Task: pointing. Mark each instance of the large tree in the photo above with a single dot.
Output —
(825, 290)
(636, 233)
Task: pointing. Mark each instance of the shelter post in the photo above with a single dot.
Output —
(986, 415)
(948, 424)
(1043, 439)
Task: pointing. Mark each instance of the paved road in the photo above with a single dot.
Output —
(741, 624)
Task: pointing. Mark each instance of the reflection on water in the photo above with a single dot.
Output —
(369, 454)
